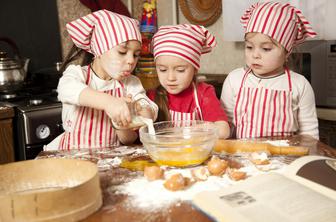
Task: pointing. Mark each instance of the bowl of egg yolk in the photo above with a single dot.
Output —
(179, 143)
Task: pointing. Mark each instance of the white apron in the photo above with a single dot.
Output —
(262, 112)
(195, 115)
(92, 127)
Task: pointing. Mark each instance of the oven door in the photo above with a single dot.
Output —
(36, 128)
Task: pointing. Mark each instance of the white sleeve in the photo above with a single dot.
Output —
(229, 92)
(307, 118)
(71, 84)
(134, 87)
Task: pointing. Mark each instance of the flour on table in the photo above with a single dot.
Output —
(108, 163)
(278, 142)
(151, 195)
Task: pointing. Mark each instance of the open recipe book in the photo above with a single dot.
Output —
(306, 191)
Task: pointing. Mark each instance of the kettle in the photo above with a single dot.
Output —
(12, 70)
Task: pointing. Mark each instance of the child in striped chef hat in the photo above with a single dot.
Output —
(95, 94)
(266, 98)
(177, 51)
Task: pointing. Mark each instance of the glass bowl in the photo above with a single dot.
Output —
(180, 143)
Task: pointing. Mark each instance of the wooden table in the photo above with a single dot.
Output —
(115, 204)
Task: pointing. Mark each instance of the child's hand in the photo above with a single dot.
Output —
(144, 110)
(118, 110)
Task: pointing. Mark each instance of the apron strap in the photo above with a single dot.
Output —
(88, 76)
(247, 71)
(289, 78)
(198, 107)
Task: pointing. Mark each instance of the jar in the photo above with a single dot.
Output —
(135, 108)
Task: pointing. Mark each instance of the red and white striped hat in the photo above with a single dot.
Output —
(282, 22)
(100, 31)
(185, 41)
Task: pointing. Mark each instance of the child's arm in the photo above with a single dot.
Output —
(224, 129)
(227, 98)
(116, 108)
(212, 109)
(307, 118)
(127, 137)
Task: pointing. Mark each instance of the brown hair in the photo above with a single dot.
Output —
(161, 99)
(74, 54)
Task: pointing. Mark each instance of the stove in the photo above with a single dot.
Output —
(37, 121)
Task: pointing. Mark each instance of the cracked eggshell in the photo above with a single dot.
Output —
(217, 166)
(200, 174)
(153, 173)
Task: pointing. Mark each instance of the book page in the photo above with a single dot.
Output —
(312, 171)
(270, 197)
(295, 166)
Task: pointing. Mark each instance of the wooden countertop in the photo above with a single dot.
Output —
(116, 207)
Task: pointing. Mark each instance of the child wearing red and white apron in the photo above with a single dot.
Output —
(266, 98)
(177, 51)
(96, 94)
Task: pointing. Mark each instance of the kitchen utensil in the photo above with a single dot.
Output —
(180, 143)
(49, 190)
(12, 70)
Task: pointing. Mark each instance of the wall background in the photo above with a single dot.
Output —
(225, 57)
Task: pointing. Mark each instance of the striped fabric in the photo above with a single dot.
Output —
(196, 114)
(282, 22)
(92, 128)
(100, 31)
(262, 112)
(185, 41)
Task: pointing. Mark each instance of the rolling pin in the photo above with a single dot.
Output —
(246, 146)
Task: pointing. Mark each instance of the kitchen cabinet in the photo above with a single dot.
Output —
(327, 131)
(6, 135)
(327, 125)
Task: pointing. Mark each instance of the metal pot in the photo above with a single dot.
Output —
(13, 71)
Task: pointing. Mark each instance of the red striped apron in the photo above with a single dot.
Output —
(262, 112)
(92, 128)
(195, 115)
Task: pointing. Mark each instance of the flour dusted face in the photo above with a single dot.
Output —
(119, 62)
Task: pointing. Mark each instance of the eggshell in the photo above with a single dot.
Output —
(153, 173)
(200, 174)
(217, 166)
(175, 182)
(236, 174)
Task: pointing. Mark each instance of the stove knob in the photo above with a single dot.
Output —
(42, 131)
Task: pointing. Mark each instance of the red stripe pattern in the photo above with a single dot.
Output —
(92, 128)
(262, 112)
(185, 41)
(100, 31)
(282, 22)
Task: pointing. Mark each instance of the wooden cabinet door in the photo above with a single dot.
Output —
(6, 135)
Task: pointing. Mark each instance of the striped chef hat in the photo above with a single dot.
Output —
(282, 22)
(100, 31)
(186, 41)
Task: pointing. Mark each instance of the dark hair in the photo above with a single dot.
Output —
(74, 54)
(161, 100)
